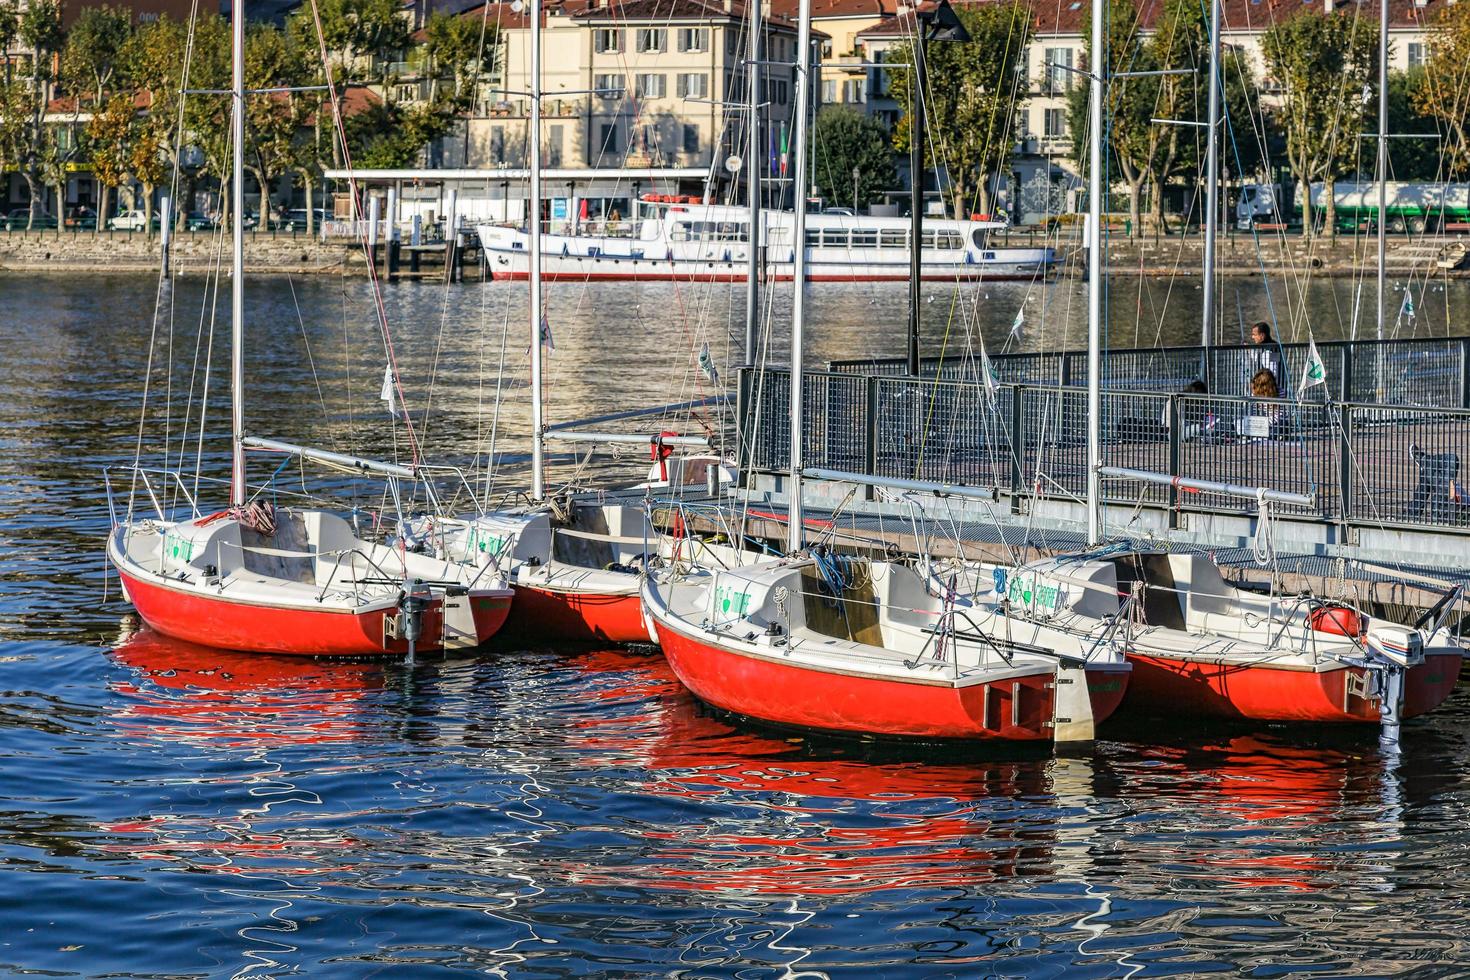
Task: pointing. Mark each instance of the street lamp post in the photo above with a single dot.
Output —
(856, 173)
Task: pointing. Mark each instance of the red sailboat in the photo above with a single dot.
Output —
(875, 651)
(288, 580)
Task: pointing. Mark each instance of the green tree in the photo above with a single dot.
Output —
(1443, 90)
(110, 135)
(969, 102)
(94, 51)
(9, 30)
(388, 136)
(40, 30)
(846, 141)
(1325, 64)
(463, 48)
(1148, 153)
(1416, 158)
(272, 60)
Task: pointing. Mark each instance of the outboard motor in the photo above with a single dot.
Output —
(1391, 652)
(411, 608)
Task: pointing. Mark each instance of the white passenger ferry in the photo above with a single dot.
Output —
(680, 237)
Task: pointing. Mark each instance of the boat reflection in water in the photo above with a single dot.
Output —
(180, 690)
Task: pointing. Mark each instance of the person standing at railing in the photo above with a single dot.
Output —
(1267, 355)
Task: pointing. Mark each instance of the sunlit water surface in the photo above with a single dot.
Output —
(169, 810)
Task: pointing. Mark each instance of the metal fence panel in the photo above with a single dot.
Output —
(1408, 466)
(943, 431)
(1408, 372)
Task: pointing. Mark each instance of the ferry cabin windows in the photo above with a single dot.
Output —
(609, 86)
(1058, 79)
(607, 40)
(944, 238)
(652, 40)
(693, 85)
(651, 86)
(709, 231)
(693, 39)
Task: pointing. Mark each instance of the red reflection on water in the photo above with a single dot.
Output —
(807, 826)
(183, 691)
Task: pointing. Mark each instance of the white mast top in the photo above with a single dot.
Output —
(237, 262)
(795, 522)
(1095, 190)
(533, 217)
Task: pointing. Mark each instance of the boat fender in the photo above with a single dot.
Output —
(1338, 620)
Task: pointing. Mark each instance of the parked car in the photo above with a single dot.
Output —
(81, 218)
(295, 219)
(199, 221)
(130, 220)
(20, 219)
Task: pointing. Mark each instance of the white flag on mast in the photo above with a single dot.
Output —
(389, 383)
(988, 375)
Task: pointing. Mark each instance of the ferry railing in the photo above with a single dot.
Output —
(1363, 465)
(1431, 373)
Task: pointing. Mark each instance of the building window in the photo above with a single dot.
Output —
(829, 90)
(607, 40)
(779, 92)
(497, 144)
(1416, 54)
(855, 90)
(1055, 123)
(651, 86)
(693, 39)
(609, 86)
(826, 49)
(652, 39)
(693, 85)
(609, 140)
(1058, 79)
(553, 145)
(1023, 123)
(691, 138)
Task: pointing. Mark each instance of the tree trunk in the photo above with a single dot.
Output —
(32, 186)
(1156, 200)
(147, 210)
(1304, 195)
(60, 208)
(1135, 210)
(1329, 196)
(103, 193)
(306, 189)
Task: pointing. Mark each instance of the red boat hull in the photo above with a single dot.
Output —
(586, 617)
(216, 621)
(1269, 693)
(1013, 709)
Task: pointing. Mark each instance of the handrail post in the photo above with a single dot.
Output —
(1345, 468)
(1018, 445)
(1176, 438)
(870, 437)
(1346, 393)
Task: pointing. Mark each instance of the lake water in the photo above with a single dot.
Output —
(172, 811)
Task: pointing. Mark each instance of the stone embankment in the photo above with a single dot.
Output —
(278, 252)
(1239, 253)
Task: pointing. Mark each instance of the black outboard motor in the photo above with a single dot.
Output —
(411, 607)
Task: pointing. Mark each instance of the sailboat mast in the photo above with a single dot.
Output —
(753, 185)
(237, 261)
(798, 267)
(1095, 190)
(1382, 162)
(1212, 182)
(533, 218)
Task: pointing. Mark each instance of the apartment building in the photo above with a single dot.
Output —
(626, 83)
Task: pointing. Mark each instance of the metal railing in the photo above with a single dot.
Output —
(1429, 373)
(1366, 465)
